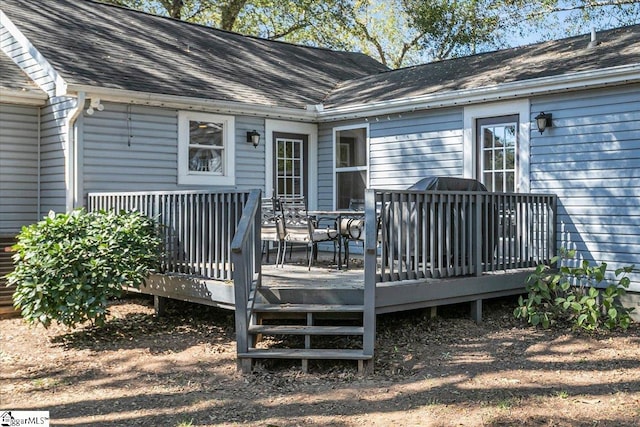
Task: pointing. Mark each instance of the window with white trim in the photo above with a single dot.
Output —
(351, 165)
(206, 149)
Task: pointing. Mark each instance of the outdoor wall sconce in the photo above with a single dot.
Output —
(94, 105)
(543, 120)
(253, 137)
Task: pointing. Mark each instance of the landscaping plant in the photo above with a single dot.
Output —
(68, 266)
(575, 294)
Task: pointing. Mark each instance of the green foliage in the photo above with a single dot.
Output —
(572, 294)
(68, 266)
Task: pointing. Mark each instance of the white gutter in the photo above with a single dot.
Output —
(31, 98)
(192, 103)
(544, 85)
(74, 146)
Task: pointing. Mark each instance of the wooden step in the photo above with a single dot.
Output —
(305, 330)
(299, 353)
(308, 308)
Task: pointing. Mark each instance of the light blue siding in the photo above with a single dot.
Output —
(135, 148)
(591, 159)
(404, 149)
(52, 154)
(18, 167)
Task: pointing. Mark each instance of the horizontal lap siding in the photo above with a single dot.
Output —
(52, 154)
(135, 148)
(404, 149)
(18, 167)
(591, 159)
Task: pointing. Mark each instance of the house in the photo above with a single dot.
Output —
(97, 98)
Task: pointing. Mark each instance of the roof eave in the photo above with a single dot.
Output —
(544, 85)
(22, 97)
(190, 103)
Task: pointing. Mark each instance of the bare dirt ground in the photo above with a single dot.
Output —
(180, 370)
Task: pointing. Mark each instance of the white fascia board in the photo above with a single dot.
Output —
(191, 103)
(22, 97)
(60, 84)
(575, 81)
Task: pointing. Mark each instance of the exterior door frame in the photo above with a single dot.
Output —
(310, 130)
(470, 142)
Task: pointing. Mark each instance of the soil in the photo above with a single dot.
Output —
(180, 370)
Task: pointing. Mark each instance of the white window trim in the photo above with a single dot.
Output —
(309, 129)
(186, 177)
(473, 112)
(334, 169)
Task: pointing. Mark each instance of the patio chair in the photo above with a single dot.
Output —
(352, 226)
(272, 230)
(301, 228)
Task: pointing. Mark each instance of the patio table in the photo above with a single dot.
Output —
(337, 215)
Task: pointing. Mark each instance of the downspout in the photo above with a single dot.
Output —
(72, 153)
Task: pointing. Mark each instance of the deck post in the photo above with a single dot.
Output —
(159, 305)
(370, 258)
(478, 226)
(476, 311)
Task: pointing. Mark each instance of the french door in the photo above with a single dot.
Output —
(290, 165)
(498, 153)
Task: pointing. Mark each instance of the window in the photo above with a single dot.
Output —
(497, 138)
(350, 165)
(205, 149)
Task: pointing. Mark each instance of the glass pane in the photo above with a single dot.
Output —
(488, 180)
(280, 167)
(488, 159)
(350, 185)
(351, 149)
(205, 133)
(510, 136)
(510, 160)
(205, 160)
(511, 182)
(499, 160)
(498, 184)
(487, 138)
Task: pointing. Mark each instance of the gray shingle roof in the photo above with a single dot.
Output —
(95, 44)
(14, 80)
(554, 58)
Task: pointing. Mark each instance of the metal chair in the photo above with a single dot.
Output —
(301, 228)
(272, 230)
(352, 226)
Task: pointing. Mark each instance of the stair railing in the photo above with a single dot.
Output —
(247, 265)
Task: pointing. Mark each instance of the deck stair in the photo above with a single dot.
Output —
(307, 323)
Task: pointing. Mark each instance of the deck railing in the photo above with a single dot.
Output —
(439, 234)
(246, 257)
(197, 226)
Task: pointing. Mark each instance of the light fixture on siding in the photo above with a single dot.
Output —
(543, 120)
(95, 105)
(253, 137)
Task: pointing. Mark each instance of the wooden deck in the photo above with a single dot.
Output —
(295, 284)
(421, 249)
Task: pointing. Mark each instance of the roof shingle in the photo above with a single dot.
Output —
(91, 43)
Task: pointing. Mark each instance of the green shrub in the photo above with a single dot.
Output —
(572, 294)
(68, 266)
